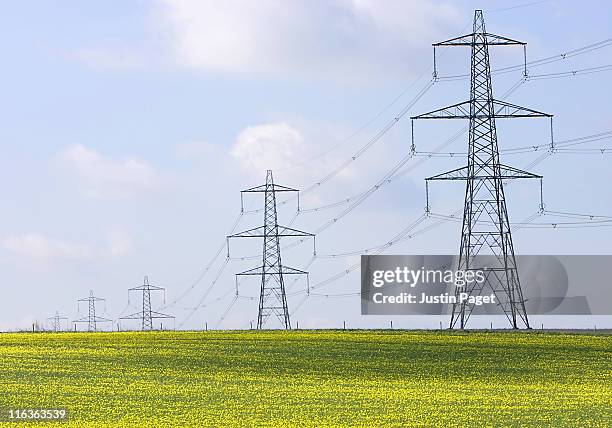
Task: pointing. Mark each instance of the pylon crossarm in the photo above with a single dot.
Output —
(256, 232)
(293, 271)
(287, 231)
(502, 109)
(254, 271)
(468, 40)
(506, 173)
(96, 319)
(269, 187)
(160, 315)
(260, 232)
(138, 316)
(134, 316)
(455, 174)
(145, 287)
(456, 111)
(509, 172)
(272, 270)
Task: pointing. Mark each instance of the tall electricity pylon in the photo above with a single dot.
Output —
(272, 296)
(56, 321)
(485, 217)
(91, 319)
(147, 315)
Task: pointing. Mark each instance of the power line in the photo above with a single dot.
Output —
(369, 122)
(598, 151)
(562, 56)
(232, 303)
(577, 215)
(559, 146)
(558, 57)
(408, 236)
(531, 225)
(377, 186)
(377, 248)
(518, 6)
(200, 303)
(207, 267)
(391, 175)
(403, 235)
(571, 73)
(539, 62)
(208, 303)
(360, 129)
(587, 49)
(376, 138)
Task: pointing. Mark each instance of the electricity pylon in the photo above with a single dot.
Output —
(56, 321)
(91, 319)
(147, 315)
(272, 296)
(485, 216)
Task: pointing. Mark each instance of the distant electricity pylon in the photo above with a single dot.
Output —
(272, 296)
(485, 216)
(147, 315)
(56, 321)
(91, 319)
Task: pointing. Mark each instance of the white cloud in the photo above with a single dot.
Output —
(43, 249)
(268, 146)
(40, 248)
(303, 152)
(342, 39)
(120, 244)
(103, 177)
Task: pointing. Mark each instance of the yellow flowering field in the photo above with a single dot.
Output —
(311, 378)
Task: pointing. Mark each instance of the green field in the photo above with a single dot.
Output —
(311, 378)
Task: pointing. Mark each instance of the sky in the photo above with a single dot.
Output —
(130, 127)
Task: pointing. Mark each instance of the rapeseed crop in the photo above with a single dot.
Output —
(311, 378)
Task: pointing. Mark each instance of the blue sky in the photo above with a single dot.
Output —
(128, 129)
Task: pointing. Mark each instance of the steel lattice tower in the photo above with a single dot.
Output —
(486, 228)
(147, 315)
(272, 296)
(91, 319)
(56, 321)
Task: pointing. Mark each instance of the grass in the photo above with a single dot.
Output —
(312, 378)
